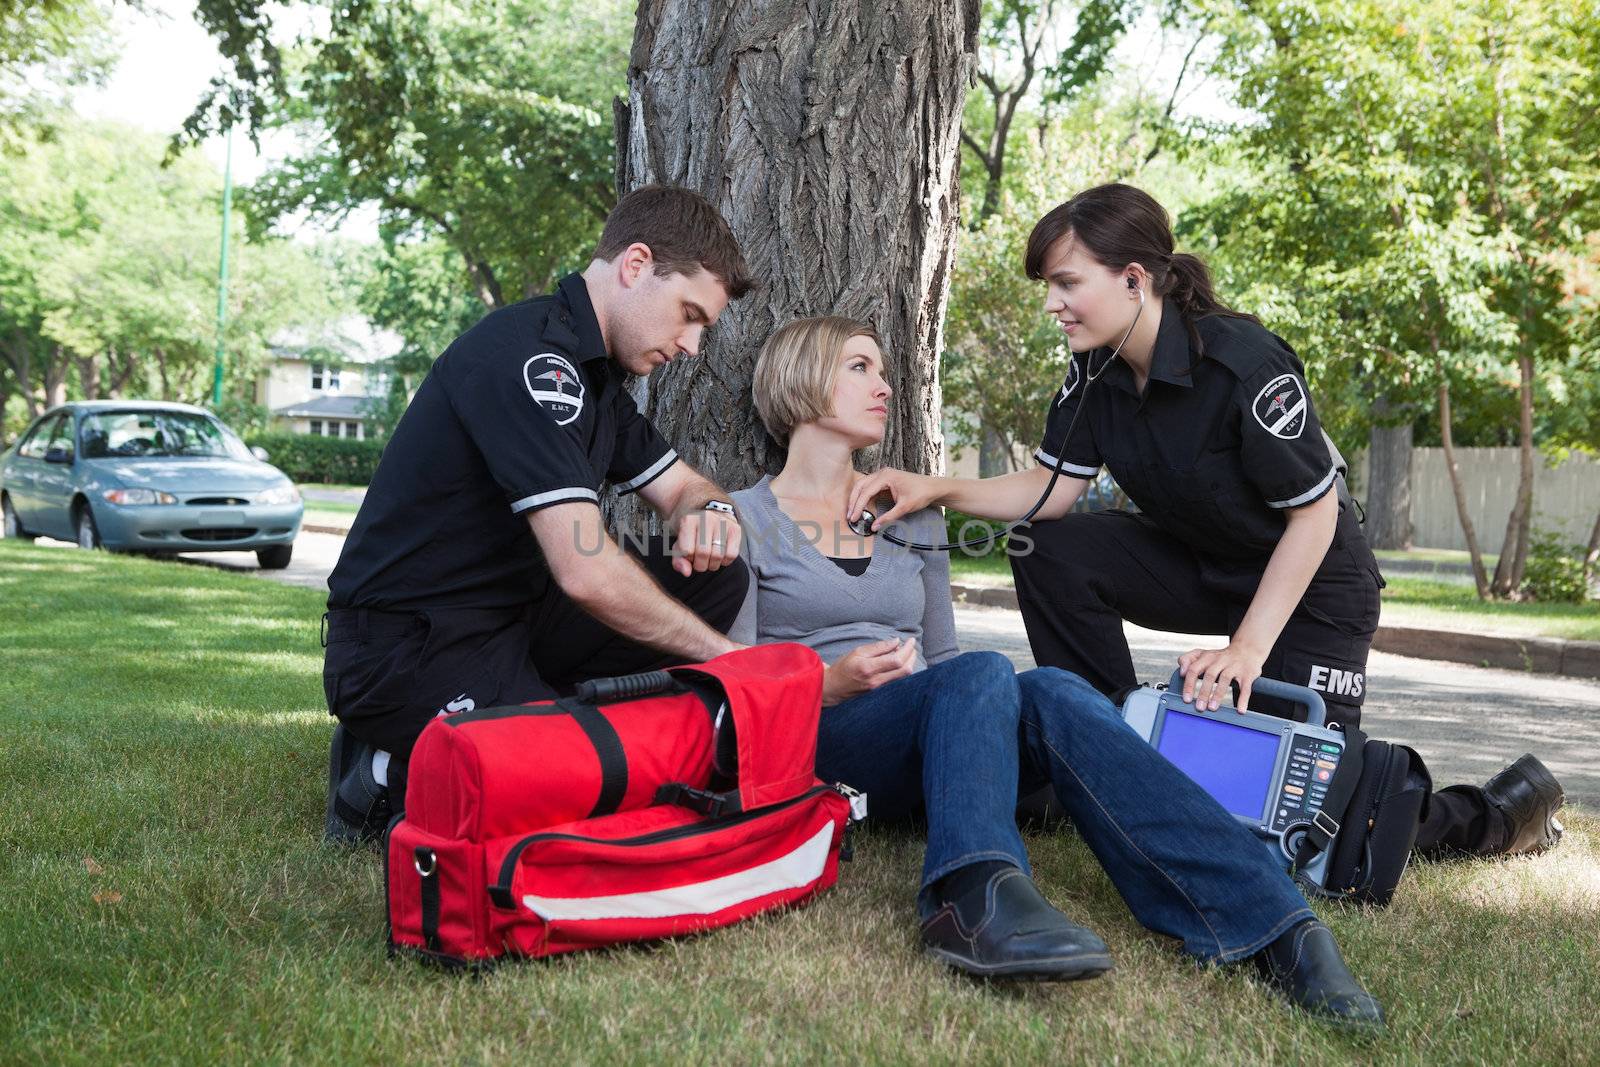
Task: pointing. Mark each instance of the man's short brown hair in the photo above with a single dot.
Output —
(683, 231)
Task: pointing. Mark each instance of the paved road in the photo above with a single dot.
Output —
(1467, 722)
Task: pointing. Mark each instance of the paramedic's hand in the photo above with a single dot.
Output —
(866, 667)
(706, 541)
(1208, 673)
(911, 492)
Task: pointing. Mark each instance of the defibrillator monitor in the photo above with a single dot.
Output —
(1271, 774)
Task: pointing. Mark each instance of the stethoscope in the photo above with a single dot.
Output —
(862, 526)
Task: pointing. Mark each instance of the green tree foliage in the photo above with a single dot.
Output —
(419, 290)
(108, 273)
(47, 46)
(483, 125)
(1416, 178)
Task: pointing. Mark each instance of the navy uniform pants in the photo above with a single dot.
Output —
(1080, 576)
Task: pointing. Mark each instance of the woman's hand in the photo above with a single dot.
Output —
(1209, 672)
(866, 667)
(911, 492)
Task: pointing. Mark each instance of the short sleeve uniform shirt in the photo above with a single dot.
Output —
(523, 411)
(1218, 446)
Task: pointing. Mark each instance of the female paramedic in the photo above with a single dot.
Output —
(1203, 417)
(923, 728)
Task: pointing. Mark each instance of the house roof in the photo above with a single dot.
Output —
(343, 407)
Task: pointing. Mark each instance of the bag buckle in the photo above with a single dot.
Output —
(703, 801)
(1325, 822)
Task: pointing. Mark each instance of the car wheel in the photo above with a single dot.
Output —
(88, 533)
(13, 525)
(275, 558)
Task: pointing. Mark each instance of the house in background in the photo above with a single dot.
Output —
(326, 385)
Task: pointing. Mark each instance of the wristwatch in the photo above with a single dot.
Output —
(719, 505)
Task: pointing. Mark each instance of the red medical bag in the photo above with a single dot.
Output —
(642, 807)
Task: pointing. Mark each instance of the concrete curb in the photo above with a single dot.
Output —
(314, 527)
(1544, 655)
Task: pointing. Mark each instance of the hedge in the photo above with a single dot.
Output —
(305, 458)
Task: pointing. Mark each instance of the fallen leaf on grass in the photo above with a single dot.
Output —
(110, 896)
(91, 866)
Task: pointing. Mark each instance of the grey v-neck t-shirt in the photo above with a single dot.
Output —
(798, 594)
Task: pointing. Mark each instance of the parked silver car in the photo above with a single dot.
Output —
(147, 476)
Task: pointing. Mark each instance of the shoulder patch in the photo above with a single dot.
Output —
(1280, 407)
(1074, 375)
(555, 385)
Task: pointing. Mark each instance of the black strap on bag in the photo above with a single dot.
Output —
(1334, 806)
(608, 747)
(427, 863)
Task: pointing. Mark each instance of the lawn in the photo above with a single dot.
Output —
(167, 900)
(1408, 601)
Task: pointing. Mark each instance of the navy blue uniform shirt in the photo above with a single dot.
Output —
(523, 411)
(1216, 448)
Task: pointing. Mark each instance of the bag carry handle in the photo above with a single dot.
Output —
(1310, 699)
(626, 687)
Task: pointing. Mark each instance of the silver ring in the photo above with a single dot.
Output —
(716, 544)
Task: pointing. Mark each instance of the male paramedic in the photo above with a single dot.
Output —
(479, 570)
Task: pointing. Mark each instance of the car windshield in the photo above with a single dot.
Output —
(158, 433)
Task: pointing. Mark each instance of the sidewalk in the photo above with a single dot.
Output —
(1544, 655)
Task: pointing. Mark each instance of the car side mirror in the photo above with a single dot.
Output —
(259, 452)
(58, 455)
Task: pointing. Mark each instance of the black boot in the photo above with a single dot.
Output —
(1526, 796)
(1305, 967)
(358, 806)
(991, 921)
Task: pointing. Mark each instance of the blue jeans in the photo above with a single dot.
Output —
(957, 742)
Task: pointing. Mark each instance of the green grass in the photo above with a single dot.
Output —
(1408, 601)
(1433, 555)
(166, 899)
(332, 507)
(324, 516)
(1449, 606)
(333, 485)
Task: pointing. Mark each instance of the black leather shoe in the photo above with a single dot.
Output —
(1528, 796)
(358, 807)
(1016, 934)
(1305, 967)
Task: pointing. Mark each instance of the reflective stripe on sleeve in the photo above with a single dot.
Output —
(639, 481)
(1065, 468)
(1310, 494)
(554, 496)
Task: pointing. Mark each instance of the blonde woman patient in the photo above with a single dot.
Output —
(929, 731)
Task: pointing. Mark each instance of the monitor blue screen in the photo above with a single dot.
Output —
(1232, 763)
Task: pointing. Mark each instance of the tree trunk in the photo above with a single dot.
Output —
(994, 458)
(55, 380)
(89, 377)
(828, 134)
(1591, 555)
(1389, 479)
(1514, 553)
(1480, 577)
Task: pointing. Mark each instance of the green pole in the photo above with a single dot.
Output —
(222, 269)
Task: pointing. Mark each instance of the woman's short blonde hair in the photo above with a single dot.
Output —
(797, 369)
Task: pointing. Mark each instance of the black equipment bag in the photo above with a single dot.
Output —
(1376, 801)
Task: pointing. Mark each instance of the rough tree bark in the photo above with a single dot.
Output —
(1389, 480)
(828, 134)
